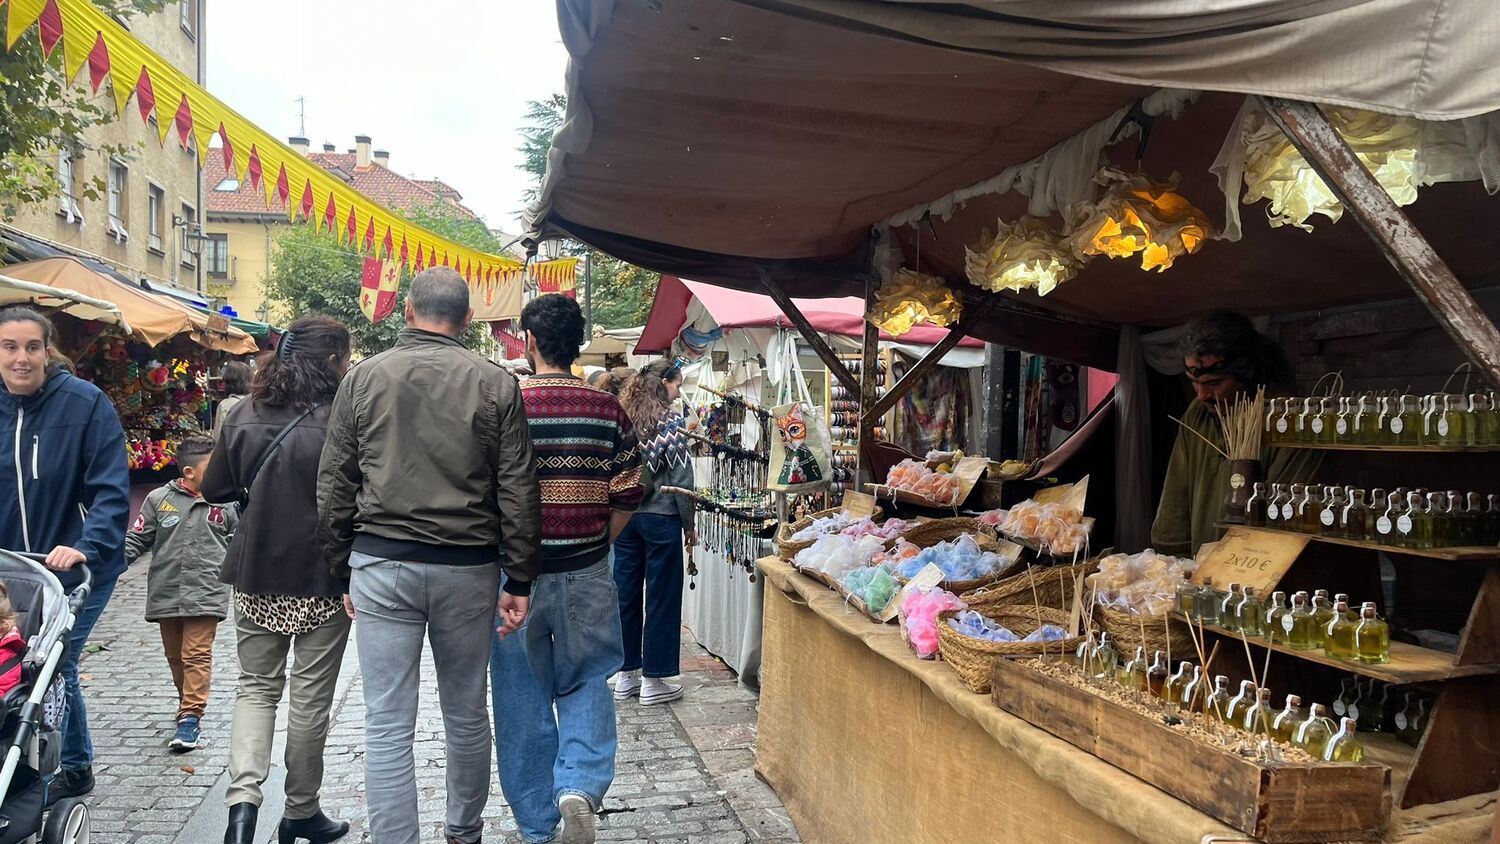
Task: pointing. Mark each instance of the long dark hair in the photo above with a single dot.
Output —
(237, 377)
(298, 374)
(645, 399)
(56, 360)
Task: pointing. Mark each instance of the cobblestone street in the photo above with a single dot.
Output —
(684, 770)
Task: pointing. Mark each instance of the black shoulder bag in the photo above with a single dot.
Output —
(260, 462)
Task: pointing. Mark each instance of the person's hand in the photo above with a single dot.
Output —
(63, 558)
(348, 605)
(513, 610)
(689, 539)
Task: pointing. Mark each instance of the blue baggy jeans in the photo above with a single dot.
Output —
(560, 657)
(648, 558)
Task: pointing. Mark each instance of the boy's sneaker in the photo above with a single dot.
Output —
(577, 820)
(654, 691)
(187, 734)
(627, 685)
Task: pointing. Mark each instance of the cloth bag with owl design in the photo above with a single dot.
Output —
(801, 459)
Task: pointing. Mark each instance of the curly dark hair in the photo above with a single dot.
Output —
(298, 374)
(557, 324)
(645, 397)
(237, 377)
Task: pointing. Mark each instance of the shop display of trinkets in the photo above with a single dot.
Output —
(736, 518)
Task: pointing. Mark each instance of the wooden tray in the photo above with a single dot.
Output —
(1274, 803)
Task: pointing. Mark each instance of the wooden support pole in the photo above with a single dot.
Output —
(972, 317)
(869, 379)
(1405, 247)
(835, 366)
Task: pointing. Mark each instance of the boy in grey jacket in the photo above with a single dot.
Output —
(187, 538)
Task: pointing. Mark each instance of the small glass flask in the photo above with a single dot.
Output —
(1083, 655)
(1295, 494)
(1405, 424)
(1484, 422)
(1322, 607)
(1274, 505)
(1251, 613)
(1414, 526)
(1372, 713)
(1348, 696)
(1365, 429)
(1372, 636)
(1172, 692)
(1473, 519)
(1385, 523)
(1218, 700)
(1207, 602)
(1413, 720)
(1255, 508)
(1305, 414)
(1343, 421)
(1132, 675)
(1431, 407)
(1105, 660)
(1275, 428)
(1187, 592)
(1288, 719)
(1314, 734)
(1309, 508)
(1286, 423)
(1489, 523)
(1320, 424)
(1388, 410)
(1275, 618)
(1300, 625)
(1445, 520)
(1343, 746)
(1229, 608)
(1192, 691)
(1354, 522)
(1156, 675)
(1258, 717)
(1338, 639)
(1454, 423)
(1330, 519)
(1234, 713)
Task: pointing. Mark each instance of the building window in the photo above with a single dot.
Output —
(156, 215)
(216, 255)
(119, 201)
(67, 179)
(229, 185)
(188, 245)
(190, 17)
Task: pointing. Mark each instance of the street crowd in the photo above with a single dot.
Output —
(423, 494)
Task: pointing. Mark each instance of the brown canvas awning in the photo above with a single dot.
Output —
(153, 319)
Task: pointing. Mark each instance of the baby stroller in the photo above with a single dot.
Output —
(46, 603)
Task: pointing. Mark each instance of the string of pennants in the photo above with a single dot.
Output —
(91, 38)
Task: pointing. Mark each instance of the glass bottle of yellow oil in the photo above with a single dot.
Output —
(1415, 525)
(1294, 495)
(1207, 602)
(1314, 734)
(1172, 692)
(1229, 608)
(1320, 424)
(1255, 507)
(1338, 640)
(1132, 675)
(1288, 719)
(1300, 625)
(1343, 423)
(1274, 615)
(1275, 429)
(1234, 713)
(1258, 716)
(1192, 691)
(1273, 507)
(1354, 522)
(1305, 413)
(1405, 424)
(1388, 509)
(1343, 746)
(1454, 423)
(1187, 591)
(1218, 700)
(1156, 675)
(1485, 422)
(1322, 608)
(1372, 636)
(1251, 613)
(1083, 655)
(1105, 660)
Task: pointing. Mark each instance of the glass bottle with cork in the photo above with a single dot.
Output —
(1229, 608)
(1250, 615)
(1192, 691)
(1234, 713)
(1343, 746)
(1207, 602)
(1330, 518)
(1354, 522)
(1314, 734)
(1217, 704)
(1275, 615)
(1300, 625)
(1322, 607)
(1288, 719)
(1338, 640)
(1172, 692)
(1372, 636)
(1156, 675)
(1258, 716)
(1255, 507)
(1278, 498)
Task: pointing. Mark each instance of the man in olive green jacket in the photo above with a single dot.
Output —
(426, 490)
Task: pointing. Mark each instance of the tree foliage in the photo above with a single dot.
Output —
(622, 292)
(41, 112)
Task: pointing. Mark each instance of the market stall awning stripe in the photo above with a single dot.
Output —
(560, 276)
(90, 36)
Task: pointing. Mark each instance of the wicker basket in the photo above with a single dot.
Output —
(933, 532)
(1053, 587)
(1125, 629)
(786, 549)
(973, 660)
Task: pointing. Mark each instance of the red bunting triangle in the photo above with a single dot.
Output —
(228, 150)
(388, 245)
(419, 265)
(307, 197)
(50, 26)
(351, 228)
(184, 120)
(252, 168)
(405, 261)
(369, 233)
(331, 214)
(145, 97)
(445, 257)
(98, 62)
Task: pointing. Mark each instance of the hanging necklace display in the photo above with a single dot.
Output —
(735, 514)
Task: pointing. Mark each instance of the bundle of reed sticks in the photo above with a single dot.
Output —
(1243, 422)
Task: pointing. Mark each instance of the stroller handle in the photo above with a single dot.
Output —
(77, 581)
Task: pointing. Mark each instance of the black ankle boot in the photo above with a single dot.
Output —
(241, 824)
(319, 829)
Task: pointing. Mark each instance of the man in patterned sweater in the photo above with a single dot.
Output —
(556, 767)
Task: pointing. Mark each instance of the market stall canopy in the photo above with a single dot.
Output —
(14, 291)
(153, 319)
(728, 308)
(719, 141)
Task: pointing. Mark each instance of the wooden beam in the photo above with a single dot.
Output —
(1405, 247)
(869, 381)
(972, 316)
(835, 366)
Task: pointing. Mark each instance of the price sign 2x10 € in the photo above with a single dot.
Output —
(1250, 557)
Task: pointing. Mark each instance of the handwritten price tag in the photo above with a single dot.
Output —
(1250, 557)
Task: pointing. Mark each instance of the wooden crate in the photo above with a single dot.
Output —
(1274, 803)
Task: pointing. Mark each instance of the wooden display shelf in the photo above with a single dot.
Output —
(1409, 663)
(1282, 802)
(1395, 449)
(1456, 553)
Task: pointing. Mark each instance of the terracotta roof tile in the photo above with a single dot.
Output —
(385, 186)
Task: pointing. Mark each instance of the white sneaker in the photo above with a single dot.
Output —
(577, 820)
(627, 685)
(654, 691)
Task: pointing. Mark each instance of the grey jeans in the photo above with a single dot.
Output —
(395, 605)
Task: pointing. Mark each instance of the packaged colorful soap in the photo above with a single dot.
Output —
(919, 612)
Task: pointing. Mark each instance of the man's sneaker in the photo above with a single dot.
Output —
(659, 691)
(187, 734)
(627, 685)
(577, 820)
(70, 783)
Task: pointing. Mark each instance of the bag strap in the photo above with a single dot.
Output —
(265, 455)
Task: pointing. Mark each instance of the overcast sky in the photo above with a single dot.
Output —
(441, 84)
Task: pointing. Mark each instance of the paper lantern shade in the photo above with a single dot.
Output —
(1138, 216)
(1025, 255)
(910, 298)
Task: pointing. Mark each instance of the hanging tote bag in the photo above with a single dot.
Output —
(801, 459)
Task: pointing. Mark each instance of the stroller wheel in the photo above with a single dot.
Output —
(67, 823)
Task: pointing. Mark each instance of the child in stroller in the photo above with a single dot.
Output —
(45, 603)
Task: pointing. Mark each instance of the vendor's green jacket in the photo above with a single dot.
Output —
(187, 538)
(1192, 499)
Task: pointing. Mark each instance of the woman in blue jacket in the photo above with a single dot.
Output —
(65, 493)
